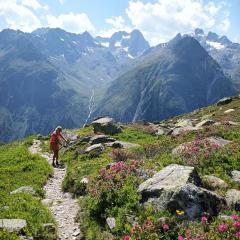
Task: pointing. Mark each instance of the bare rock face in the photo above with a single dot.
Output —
(233, 199)
(177, 187)
(106, 125)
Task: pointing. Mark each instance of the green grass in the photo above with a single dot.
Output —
(20, 168)
(134, 134)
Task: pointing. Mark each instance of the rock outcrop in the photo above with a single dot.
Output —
(106, 125)
(177, 187)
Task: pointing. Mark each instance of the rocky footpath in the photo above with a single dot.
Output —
(63, 207)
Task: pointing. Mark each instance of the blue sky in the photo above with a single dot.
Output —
(158, 20)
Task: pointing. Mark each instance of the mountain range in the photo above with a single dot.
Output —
(50, 77)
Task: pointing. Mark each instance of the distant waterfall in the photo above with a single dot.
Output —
(90, 107)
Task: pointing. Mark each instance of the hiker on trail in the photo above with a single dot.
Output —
(55, 143)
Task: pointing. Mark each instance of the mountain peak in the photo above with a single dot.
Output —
(199, 31)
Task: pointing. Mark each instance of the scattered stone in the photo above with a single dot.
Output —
(84, 181)
(111, 222)
(95, 149)
(213, 183)
(160, 130)
(47, 202)
(70, 135)
(224, 217)
(50, 228)
(115, 144)
(12, 225)
(176, 187)
(76, 233)
(101, 139)
(24, 189)
(106, 125)
(121, 144)
(229, 110)
(224, 101)
(208, 116)
(231, 123)
(204, 123)
(184, 123)
(179, 130)
(85, 139)
(233, 199)
(235, 175)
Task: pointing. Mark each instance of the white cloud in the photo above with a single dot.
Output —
(18, 16)
(34, 4)
(61, 1)
(160, 21)
(117, 24)
(76, 23)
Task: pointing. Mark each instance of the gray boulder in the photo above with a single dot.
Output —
(235, 175)
(24, 189)
(185, 122)
(213, 183)
(176, 187)
(233, 199)
(111, 222)
(122, 144)
(106, 125)
(224, 101)
(12, 225)
(95, 149)
(179, 130)
(204, 123)
(101, 139)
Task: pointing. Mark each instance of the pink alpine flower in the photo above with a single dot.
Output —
(165, 227)
(237, 234)
(236, 224)
(127, 238)
(204, 219)
(234, 217)
(222, 227)
(180, 237)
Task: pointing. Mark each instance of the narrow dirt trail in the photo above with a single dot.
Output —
(62, 206)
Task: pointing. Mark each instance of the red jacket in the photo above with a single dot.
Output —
(55, 139)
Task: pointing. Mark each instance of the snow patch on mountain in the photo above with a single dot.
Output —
(215, 45)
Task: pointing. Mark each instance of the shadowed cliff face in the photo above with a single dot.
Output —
(168, 81)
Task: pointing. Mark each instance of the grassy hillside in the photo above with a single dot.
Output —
(20, 168)
(114, 177)
(117, 197)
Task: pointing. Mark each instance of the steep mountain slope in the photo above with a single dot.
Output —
(34, 95)
(225, 52)
(170, 80)
(51, 71)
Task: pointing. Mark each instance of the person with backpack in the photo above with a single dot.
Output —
(55, 143)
